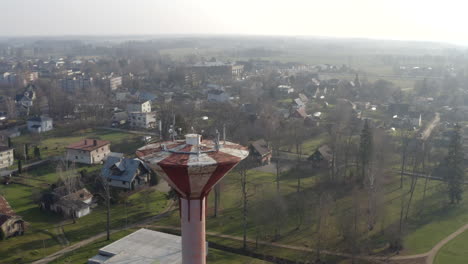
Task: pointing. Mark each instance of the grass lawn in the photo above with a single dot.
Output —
(427, 223)
(41, 238)
(454, 252)
(53, 143)
(81, 255)
(311, 145)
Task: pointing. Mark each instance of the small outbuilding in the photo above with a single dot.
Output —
(10, 223)
(261, 152)
(322, 157)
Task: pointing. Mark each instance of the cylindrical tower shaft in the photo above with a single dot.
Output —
(193, 231)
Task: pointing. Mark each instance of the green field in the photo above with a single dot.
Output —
(454, 252)
(426, 224)
(53, 143)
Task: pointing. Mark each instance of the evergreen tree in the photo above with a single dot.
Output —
(365, 152)
(10, 145)
(26, 151)
(20, 167)
(453, 167)
(37, 152)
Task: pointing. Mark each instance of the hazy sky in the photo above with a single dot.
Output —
(393, 19)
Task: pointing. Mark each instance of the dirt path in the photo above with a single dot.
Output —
(431, 254)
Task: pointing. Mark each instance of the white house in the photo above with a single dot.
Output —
(139, 106)
(40, 124)
(88, 151)
(6, 157)
(75, 204)
(285, 89)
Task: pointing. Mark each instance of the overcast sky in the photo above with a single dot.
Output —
(445, 21)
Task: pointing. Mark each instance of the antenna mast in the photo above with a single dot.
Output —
(224, 133)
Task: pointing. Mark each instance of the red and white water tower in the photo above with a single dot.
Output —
(192, 167)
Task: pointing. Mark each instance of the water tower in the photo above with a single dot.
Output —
(192, 167)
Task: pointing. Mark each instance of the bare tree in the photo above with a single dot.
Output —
(105, 194)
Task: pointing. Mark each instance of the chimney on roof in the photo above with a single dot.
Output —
(95, 142)
(85, 142)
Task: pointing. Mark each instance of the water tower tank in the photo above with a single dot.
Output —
(192, 167)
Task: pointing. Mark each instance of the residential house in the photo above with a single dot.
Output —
(40, 124)
(10, 223)
(303, 98)
(298, 103)
(6, 157)
(299, 113)
(74, 204)
(251, 110)
(88, 151)
(125, 173)
(261, 152)
(144, 120)
(285, 89)
(219, 96)
(313, 120)
(26, 99)
(322, 157)
(139, 106)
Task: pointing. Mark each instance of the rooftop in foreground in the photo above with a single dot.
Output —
(141, 247)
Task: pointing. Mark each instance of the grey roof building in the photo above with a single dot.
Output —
(40, 124)
(125, 173)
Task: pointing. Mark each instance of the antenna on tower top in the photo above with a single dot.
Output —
(198, 145)
(172, 133)
(224, 133)
(160, 129)
(217, 140)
